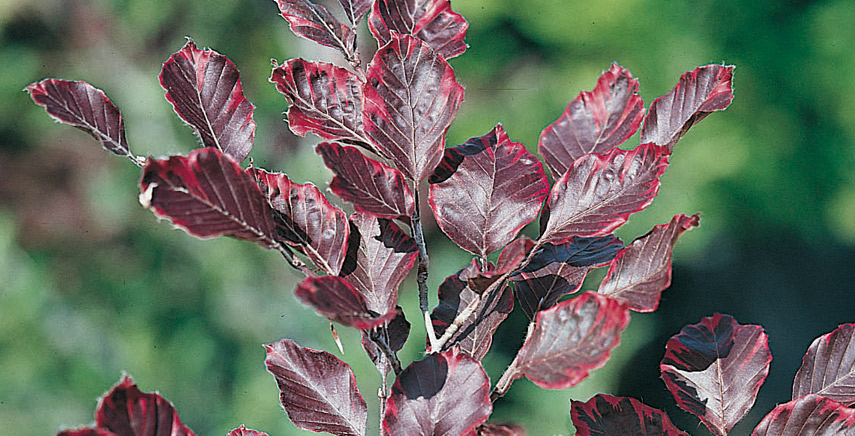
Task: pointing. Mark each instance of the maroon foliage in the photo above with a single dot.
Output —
(410, 100)
(89, 431)
(355, 9)
(243, 431)
(316, 23)
(594, 122)
(828, 367)
(599, 192)
(715, 368)
(83, 106)
(486, 190)
(640, 272)
(394, 334)
(444, 394)
(608, 415)
(127, 411)
(500, 430)
(432, 21)
(811, 415)
(336, 299)
(698, 93)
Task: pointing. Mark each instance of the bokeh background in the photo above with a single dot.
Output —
(91, 284)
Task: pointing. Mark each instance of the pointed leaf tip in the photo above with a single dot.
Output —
(316, 23)
(125, 410)
(432, 21)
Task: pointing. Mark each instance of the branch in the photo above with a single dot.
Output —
(424, 262)
(509, 375)
(379, 337)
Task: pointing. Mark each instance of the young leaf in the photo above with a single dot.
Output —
(811, 415)
(828, 367)
(445, 394)
(355, 9)
(125, 410)
(571, 339)
(486, 190)
(432, 21)
(316, 23)
(243, 431)
(336, 299)
(599, 192)
(204, 88)
(608, 415)
(715, 368)
(594, 122)
(642, 270)
(370, 186)
(698, 93)
(316, 389)
(306, 219)
(81, 105)
(410, 100)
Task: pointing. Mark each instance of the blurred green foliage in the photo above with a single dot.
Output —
(91, 285)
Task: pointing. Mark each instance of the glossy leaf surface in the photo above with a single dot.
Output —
(715, 368)
(431, 21)
(355, 9)
(596, 121)
(607, 415)
(316, 23)
(336, 299)
(443, 394)
(486, 190)
(125, 410)
(828, 367)
(410, 100)
(243, 431)
(642, 270)
(698, 93)
(316, 389)
(811, 415)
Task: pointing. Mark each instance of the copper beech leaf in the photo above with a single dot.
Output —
(828, 367)
(432, 21)
(599, 192)
(411, 97)
(486, 190)
(607, 415)
(337, 299)
(444, 394)
(698, 93)
(715, 368)
(370, 186)
(596, 121)
(84, 106)
(810, 415)
(127, 411)
(87, 431)
(642, 270)
(316, 389)
(204, 88)
(500, 430)
(355, 9)
(316, 23)
(571, 339)
(243, 431)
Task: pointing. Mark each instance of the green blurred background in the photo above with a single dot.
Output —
(92, 285)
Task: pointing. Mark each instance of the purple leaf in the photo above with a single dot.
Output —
(698, 93)
(500, 430)
(316, 23)
(336, 299)
(355, 9)
(243, 431)
(432, 21)
(88, 431)
(204, 88)
(394, 333)
(594, 122)
(493, 188)
(410, 100)
(81, 105)
(828, 367)
(571, 339)
(811, 415)
(444, 394)
(642, 270)
(370, 186)
(509, 260)
(126, 411)
(608, 415)
(305, 218)
(715, 368)
(599, 192)
(325, 100)
(316, 389)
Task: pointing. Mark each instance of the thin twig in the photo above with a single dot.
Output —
(382, 393)
(424, 262)
(380, 338)
(510, 373)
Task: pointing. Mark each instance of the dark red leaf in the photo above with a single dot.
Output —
(81, 105)
(828, 367)
(571, 339)
(495, 187)
(371, 186)
(432, 21)
(500, 430)
(594, 122)
(608, 415)
(642, 270)
(306, 219)
(336, 299)
(88, 431)
(204, 88)
(698, 93)
(811, 415)
(599, 192)
(479, 279)
(127, 411)
(355, 9)
(243, 431)
(444, 394)
(410, 100)
(715, 368)
(316, 23)
(316, 389)
(325, 100)
(394, 333)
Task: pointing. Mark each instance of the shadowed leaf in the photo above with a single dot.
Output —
(316, 23)
(607, 415)
(828, 367)
(431, 21)
(394, 333)
(811, 415)
(88, 431)
(336, 299)
(126, 411)
(500, 430)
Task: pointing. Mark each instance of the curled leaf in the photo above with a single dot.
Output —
(608, 415)
(316, 23)
(431, 21)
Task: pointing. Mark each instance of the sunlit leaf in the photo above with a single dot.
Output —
(500, 430)
(605, 415)
(127, 411)
(355, 9)
(316, 23)
(432, 21)
(828, 367)
(811, 415)
(337, 299)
